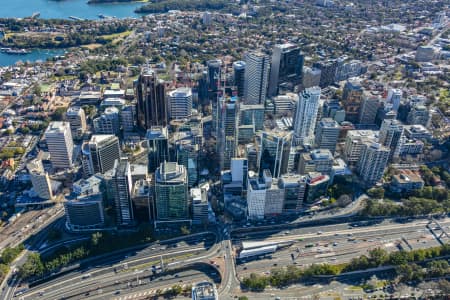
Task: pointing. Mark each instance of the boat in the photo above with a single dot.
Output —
(35, 15)
(16, 51)
(76, 18)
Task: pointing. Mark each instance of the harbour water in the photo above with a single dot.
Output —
(58, 9)
(35, 55)
(63, 9)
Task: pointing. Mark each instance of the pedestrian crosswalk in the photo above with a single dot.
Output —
(137, 295)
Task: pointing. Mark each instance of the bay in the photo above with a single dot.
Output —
(63, 9)
(35, 55)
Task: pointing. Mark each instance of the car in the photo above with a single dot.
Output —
(176, 276)
(116, 292)
(319, 232)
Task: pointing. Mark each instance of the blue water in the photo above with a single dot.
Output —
(54, 9)
(62, 9)
(35, 55)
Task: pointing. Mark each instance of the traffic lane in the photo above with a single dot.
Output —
(76, 277)
(339, 251)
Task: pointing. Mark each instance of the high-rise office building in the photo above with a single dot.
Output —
(286, 67)
(418, 115)
(214, 74)
(85, 213)
(108, 122)
(151, 108)
(274, 152)
(239, 77)
(369, 109)
(285, 103)
(60, 144)
(239, 170)
(171, 192)
(294, 192)
(372, 163)
(127, 117)
(252, 115)
(39, 178)
(256, 77)
(122, 186)
(100, 154)
(317, 160)
(180, 103)
(327, 134)
(351, 100)
(77, 118)
(327, 72)
(158, 147)
(306, 115)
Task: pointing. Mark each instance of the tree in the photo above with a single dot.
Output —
(33, 266)
(344, 200)
(95, 238)
(177, 289)
(378, 257)
(377, 193)
(185, 230)
(58, 114)
(243, 298)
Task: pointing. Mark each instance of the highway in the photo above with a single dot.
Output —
(340, 243)
(123, 268)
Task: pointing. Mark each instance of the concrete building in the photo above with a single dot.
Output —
(257, 66)
(151, 108)
(239, 170)
(285, 103)
(273, 205)
(306, 115)
(127, 117)
(316, 186)
(171, 193)
(327, 134)
(108, 122)
(395, 97)
(372, 163)
(40, 180)
(77, 118)
(142, 199)
(328, 72)
(88, 186)
(418, 115)
(311, 77)
(369, 109)
(354, 144)
(204, 291)
(425, 53)
(199, 200)
(352, 101)
(406, 181)
(180, 103)
(100, 153)
(294, 187)
(392, 136)
(286, 68)
(60, 144)
(317, 160)
(122, 186)
(85, 213)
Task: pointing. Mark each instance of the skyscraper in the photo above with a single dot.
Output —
(306, 115)
(286, 68)
(351, 100)
(151, 106)
(395, 96)
(180, 103)
(256, 77)
(327, 72)
(40, 180)
(60, 144)
(391, 136)
(373, 161)
(76, 117)
(369, 109)
(122, 186)
(239, 77)
(214, 70)
(158, 147)
(171, 192)
(327, 134)
(100, 153)
(274, 152)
